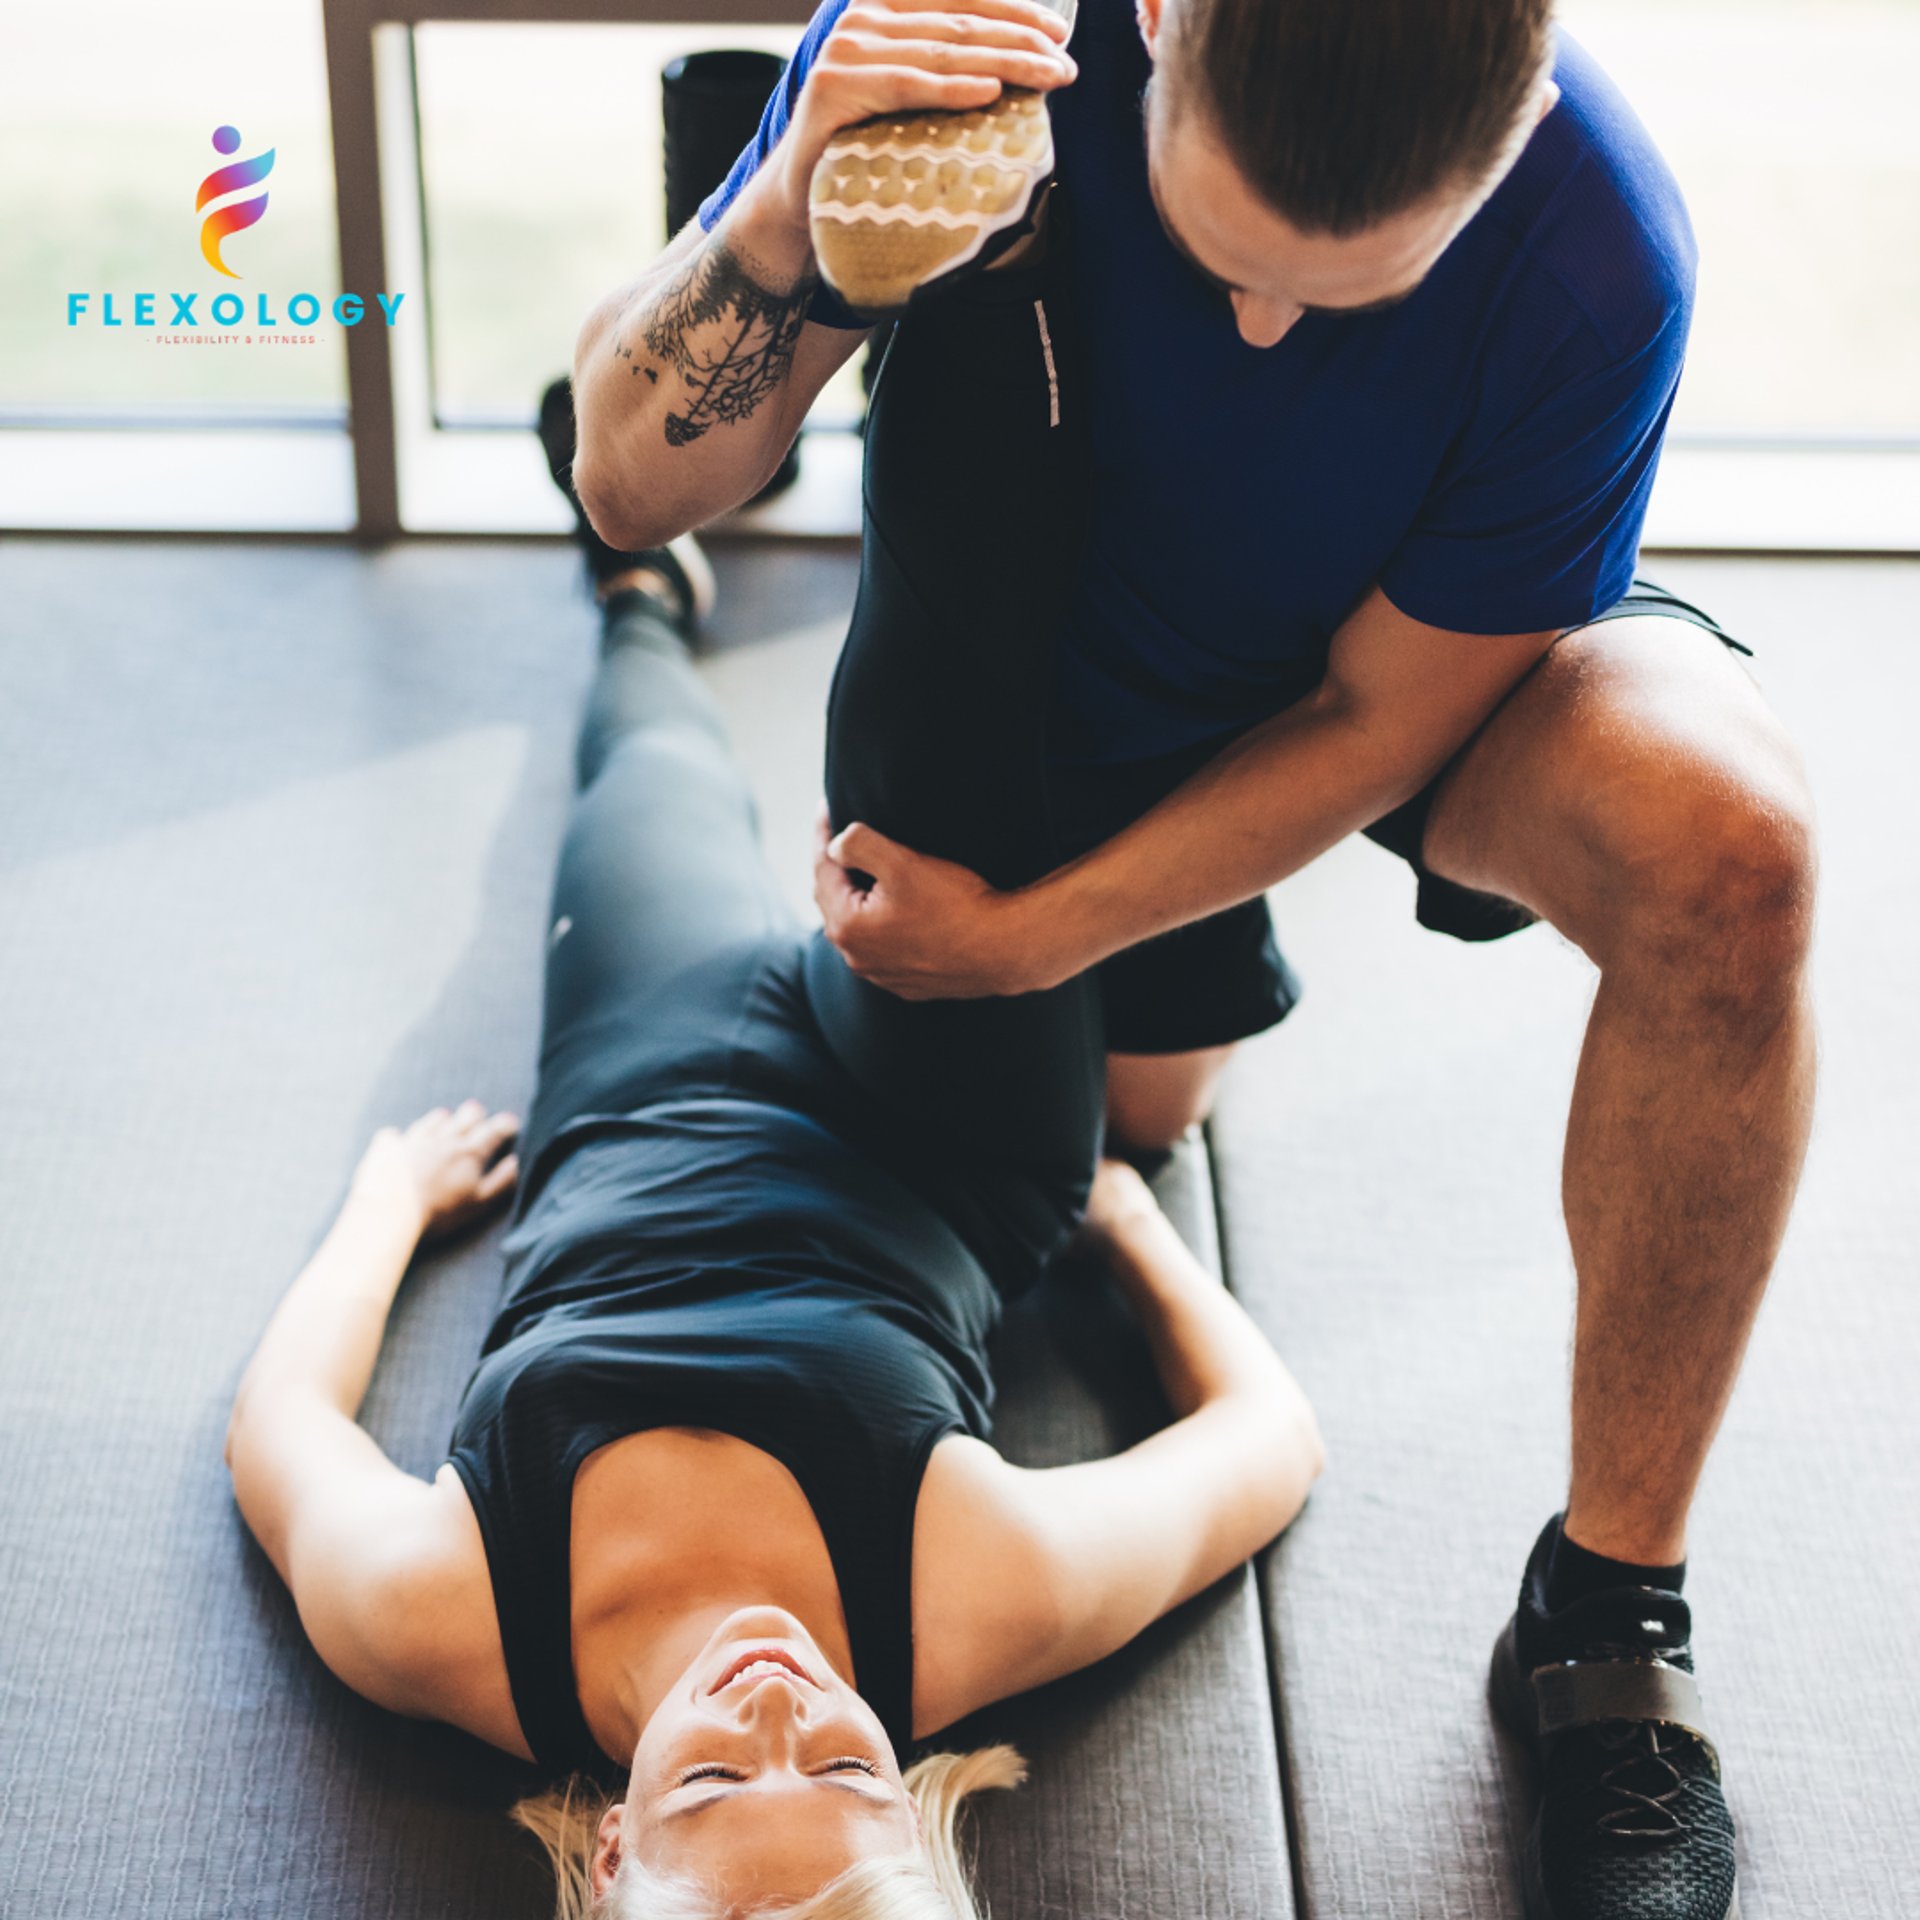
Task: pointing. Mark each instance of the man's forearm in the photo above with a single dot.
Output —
(685, 383)
(1398, 700)
(681, 379)
(1275, 799)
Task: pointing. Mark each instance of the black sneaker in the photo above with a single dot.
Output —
(682, 563)
(1632, 1824)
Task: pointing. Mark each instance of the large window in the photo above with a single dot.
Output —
(1788, 124)
(541, 167)
(521, 180)
(538, 153)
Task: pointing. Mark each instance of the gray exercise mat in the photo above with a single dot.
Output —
(279, 824)
(1388, 1166)
(1155, 1791)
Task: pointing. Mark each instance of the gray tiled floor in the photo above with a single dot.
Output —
(276, 830)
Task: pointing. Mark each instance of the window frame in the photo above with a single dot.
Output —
(410, 473)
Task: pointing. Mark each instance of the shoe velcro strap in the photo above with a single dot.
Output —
(1586, 1691)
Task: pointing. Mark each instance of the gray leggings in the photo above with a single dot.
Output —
(673, 951)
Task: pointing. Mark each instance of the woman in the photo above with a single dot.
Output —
(720, 1507)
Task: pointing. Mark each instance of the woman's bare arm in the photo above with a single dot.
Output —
(691, 381)
(370, 1554)
(1080, 1559)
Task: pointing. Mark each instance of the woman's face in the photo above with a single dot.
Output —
(761, 1774)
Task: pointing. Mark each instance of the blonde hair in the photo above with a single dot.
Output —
(930, 1883)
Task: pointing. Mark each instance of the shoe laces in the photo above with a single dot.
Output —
(1646, 1790)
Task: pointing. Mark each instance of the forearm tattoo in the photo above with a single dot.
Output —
(729, 338)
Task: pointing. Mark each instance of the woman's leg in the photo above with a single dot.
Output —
(661, 882)
(975, 492)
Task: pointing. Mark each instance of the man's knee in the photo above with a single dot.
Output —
(1153, 1098)
(1703, 862)
(1638, 792)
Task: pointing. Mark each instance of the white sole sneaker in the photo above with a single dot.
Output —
(699, 571)
(902, 200)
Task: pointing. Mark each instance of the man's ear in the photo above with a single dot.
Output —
(606, 1850)
(1147, 13)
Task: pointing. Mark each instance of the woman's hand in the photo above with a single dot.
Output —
(1120, 1199)
(442, 1170)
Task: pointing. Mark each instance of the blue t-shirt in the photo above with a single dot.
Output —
(1483, 451)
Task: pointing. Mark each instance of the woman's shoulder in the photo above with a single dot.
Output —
(980, 1589)
(440, 1628)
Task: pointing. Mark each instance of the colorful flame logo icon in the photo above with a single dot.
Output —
(238, 213)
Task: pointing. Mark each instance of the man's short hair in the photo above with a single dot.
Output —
(1343, 112)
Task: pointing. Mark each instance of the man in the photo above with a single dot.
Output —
(1384, 309)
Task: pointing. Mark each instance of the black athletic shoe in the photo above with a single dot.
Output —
(682, 563)
(1632, 1824)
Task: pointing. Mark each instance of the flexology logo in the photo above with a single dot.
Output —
(228, 311)
(236, 214)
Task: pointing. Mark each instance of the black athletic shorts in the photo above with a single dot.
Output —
(1224, 977)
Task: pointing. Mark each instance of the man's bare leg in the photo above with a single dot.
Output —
(1153, 1098)
(1636, 792)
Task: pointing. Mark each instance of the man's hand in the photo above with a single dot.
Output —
(903, 56)
(926, 929)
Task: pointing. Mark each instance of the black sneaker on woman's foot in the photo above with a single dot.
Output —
(1632, 1824)
(681, 563)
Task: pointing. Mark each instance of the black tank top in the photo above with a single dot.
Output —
(754, 1258)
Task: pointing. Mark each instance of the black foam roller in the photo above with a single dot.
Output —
(712, 104)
